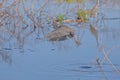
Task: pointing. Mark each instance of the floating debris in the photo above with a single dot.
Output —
(80, 20)
(86, 67)
(68, 21)
(60, 34)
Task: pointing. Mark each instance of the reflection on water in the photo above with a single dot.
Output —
(5, 56)
(24, 27)
(88, 71)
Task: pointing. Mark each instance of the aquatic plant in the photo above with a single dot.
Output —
(60, 18)
(68, 1)
(82, 16)
(71, 1)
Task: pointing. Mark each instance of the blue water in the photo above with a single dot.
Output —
(45, 60)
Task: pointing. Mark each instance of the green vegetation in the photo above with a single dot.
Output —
(71, 1)
(83, 15)
(60, 18)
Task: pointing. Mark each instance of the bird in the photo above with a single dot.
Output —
(61, 33)
(64, 32)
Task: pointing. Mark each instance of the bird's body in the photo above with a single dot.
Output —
(62, 33)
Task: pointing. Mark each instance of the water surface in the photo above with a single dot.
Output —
(36, 58)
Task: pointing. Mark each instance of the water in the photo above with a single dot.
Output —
(39, 59)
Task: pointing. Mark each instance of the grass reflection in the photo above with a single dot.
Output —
(5, 56)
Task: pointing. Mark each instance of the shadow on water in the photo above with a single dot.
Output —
(73, 21)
